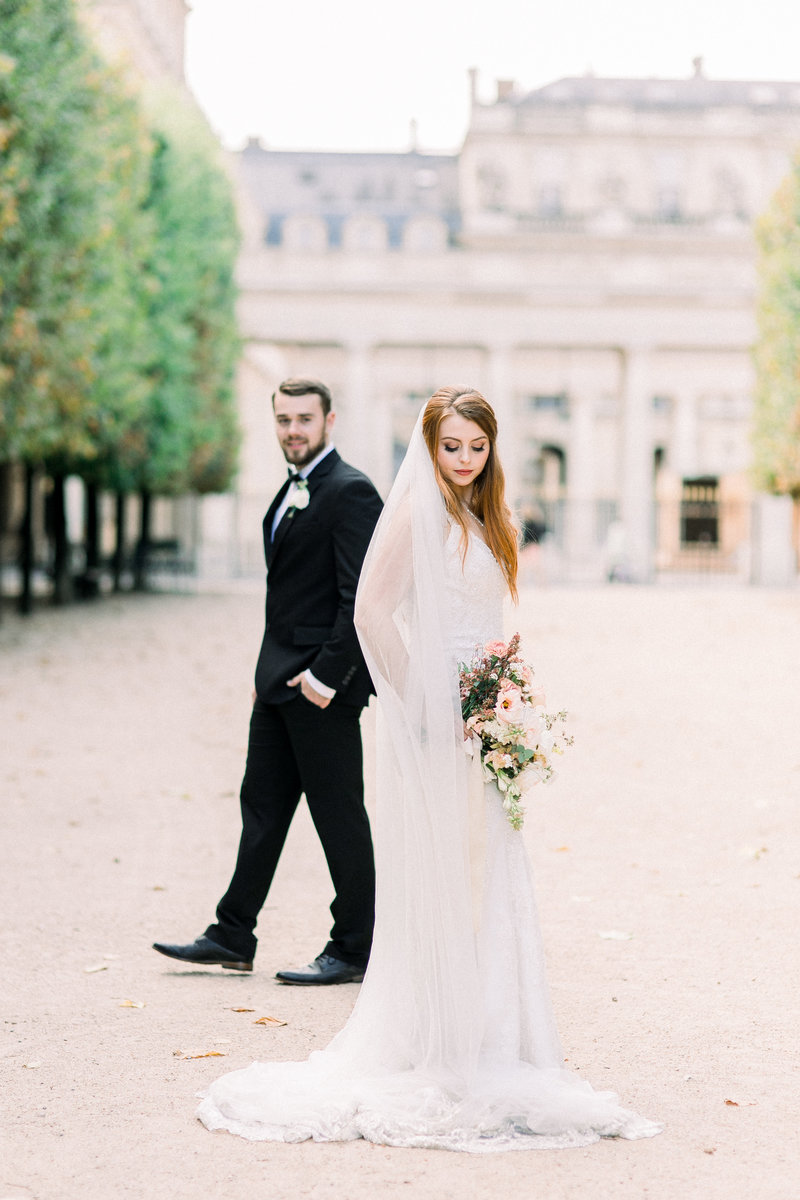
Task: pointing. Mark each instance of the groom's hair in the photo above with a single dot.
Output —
(306, 387)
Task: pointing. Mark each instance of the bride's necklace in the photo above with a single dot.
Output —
(473, 515)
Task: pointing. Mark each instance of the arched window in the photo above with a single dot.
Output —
(547, 471)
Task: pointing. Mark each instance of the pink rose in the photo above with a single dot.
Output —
(496, 648)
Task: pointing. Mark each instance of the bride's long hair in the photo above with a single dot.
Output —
(488, 492)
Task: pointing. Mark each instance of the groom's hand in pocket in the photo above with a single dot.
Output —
(313, 696)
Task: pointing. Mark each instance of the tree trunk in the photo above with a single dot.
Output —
(118, 561)
(6, 483)
(143, 545)
(90, 584)
(62, 578)
(26, 545)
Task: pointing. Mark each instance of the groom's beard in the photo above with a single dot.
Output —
(299, 455)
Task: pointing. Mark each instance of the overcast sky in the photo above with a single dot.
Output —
(353, 74)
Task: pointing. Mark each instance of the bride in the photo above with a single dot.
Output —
(452, 1041)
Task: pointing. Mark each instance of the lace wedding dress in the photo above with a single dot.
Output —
(452, 1042)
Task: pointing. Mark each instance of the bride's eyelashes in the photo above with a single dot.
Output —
(474, 449)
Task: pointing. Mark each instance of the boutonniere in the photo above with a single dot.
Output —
(300, 494)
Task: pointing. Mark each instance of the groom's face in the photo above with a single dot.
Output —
(303, 429)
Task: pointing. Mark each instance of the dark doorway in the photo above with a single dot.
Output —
(700, 511)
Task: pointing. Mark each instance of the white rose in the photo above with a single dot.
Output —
(546, 742)
(300, 495)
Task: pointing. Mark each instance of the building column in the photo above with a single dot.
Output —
(684, 436)
(581, 548)
(381, 460)
(636, 491)
(500, 394)
(358, 405)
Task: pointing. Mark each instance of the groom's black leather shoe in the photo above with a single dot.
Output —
(205, 953)
(324, 969)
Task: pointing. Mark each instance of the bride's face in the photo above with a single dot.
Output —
(462, 452)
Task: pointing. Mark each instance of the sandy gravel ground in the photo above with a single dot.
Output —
(674, 823)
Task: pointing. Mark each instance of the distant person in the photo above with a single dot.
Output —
(534, 530)
(310, 688)
(618, 567)
(534, 525)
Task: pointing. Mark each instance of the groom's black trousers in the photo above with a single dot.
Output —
(294, 748)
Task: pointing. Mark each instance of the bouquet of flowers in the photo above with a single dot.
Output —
(504, 708)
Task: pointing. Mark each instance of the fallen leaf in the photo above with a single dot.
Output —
(616, 935)
(96, 967)
(269, 1021)
(131, 1004)
(202, 1054)
(158, 888)
(733, 1103)
(711, 1151)
(754, 852)
(242, 1010)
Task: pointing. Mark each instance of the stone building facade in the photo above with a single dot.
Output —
(586, 260)
(145, 36)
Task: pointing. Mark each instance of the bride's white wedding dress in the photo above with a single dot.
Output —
(452, 1042)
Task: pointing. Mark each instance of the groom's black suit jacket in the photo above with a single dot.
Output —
(313, 567)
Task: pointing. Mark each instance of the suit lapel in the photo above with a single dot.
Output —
(269, 545)
(314, 480)
(280, 532)
(322, 469)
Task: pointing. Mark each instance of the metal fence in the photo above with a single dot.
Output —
(696, 538)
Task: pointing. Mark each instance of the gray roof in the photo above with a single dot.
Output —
(695, 92)
(385, 183)
(394, 186)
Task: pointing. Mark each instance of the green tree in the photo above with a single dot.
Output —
(120, 286)
(73, 180)
(52, 232)
(776, 434)
(189, 432)
(117, 246)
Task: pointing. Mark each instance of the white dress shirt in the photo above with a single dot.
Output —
(303, 473)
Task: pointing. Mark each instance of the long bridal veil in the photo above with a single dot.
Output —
(422, 992)
(451, 1042)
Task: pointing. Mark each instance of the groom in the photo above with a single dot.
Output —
(311, 685)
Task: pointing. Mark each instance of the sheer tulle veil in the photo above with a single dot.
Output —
(422, 987)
